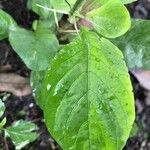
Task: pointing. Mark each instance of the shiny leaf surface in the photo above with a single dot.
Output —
(135, 44)
(111, 20)
(36, 49)
(87, 96)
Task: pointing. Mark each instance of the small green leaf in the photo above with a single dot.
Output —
(2, 108)
(111, 20)
(5, 22)
(21, 133)
(36, 49)
(87, 96)
(135, 44)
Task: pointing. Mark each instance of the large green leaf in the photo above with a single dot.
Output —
(87, 96)
(135, 44)
(36, 49)
(110, 20)
(21, 133)
(5, 22)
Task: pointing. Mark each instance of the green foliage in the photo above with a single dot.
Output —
(83, 109)
(36, 49)
(21, 133)
(76, 6)
(40, 11)
(5, 22)
(110, 20)
(36, 83)
(135, 44)
(85, 93)
(64, 5)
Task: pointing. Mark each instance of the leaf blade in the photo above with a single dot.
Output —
(21, 133)
(77, 98)
(135, 44)
(5, 22)
(36, 56)
(111, 20)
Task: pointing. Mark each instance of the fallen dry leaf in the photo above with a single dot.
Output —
(10, 82)
(5, 68)
(143, 77)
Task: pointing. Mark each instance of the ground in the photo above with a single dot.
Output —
(26, 108)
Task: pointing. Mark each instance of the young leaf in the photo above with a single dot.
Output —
(87, 96)
(111, 20)
(5, 22)
(135, 44)
(36, 49)
(21, 133)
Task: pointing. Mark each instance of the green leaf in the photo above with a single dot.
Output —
(2, 108)
(5, 22)
(76, 6)
(64, 5)
(36, 49)
(87, 96)
(40, 11)
(21, 133)
(135, 44)
(111, 20)
(44, 24)
(36, 83)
